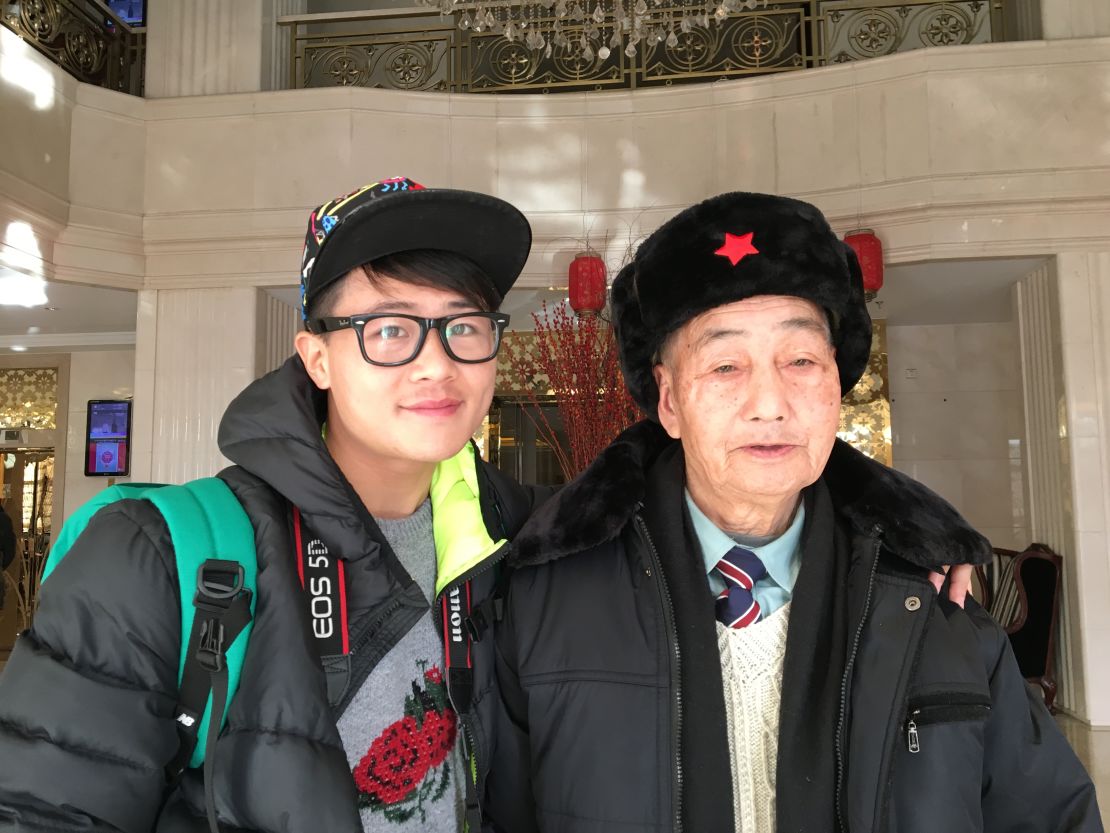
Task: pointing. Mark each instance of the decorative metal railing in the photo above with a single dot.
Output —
(854, 29)
(82, 37)
(421, 50)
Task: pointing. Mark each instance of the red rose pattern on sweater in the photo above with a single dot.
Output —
(407, 765)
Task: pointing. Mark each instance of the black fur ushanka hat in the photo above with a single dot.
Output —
(728, 248)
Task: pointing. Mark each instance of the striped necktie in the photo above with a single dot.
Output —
(741, 569)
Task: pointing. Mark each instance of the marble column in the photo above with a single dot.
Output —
(1062, 19)
(208, 47)
(1084, 293)
(1048, 460)
(1064, 319)
(195, 350)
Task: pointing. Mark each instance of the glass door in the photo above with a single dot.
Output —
(517, 448)
(27, 494)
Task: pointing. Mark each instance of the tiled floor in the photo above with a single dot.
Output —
(1093, 748)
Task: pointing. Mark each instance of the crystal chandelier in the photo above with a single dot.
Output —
(591, 30)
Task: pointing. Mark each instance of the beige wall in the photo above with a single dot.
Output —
(992, 150)
(951, 153)
(37, 100)
(956, 421)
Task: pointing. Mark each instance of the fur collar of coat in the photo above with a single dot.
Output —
(918, 525)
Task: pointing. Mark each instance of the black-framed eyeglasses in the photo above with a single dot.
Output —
(390, 339)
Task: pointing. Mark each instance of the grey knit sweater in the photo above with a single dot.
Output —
(399, 731)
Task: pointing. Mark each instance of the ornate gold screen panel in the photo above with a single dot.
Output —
(509, 384)
(865, 412)
(28, 397)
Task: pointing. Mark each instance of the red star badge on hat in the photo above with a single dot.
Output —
(737, 247)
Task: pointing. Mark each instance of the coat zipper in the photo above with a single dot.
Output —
(469, 747)
(488, 564)
(676, 666)
(926, 715)
(877, 533)
(913, 740)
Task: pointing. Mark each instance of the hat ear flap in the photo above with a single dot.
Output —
(852, 335)
(634, 341)
(855, 272)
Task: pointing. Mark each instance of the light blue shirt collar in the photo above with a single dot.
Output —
(782, 556)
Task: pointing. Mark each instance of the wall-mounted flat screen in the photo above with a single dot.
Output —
(108, 438)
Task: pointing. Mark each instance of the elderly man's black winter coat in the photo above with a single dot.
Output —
(614, 712)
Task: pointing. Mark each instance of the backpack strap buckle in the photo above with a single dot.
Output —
(485, 614)
(210, 651)
(218, 583)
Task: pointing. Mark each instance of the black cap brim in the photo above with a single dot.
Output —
(487, 230)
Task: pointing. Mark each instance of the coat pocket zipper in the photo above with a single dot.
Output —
(927, 714)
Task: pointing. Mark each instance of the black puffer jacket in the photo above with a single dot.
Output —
(614, 710)
(87, 698)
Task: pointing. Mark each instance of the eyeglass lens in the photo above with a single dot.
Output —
(390, 340)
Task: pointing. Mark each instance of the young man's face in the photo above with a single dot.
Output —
(420, 412)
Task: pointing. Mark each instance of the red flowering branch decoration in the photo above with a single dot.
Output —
(580, 360)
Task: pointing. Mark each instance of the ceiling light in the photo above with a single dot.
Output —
(20, 290)
(19, 348)
(21, 279)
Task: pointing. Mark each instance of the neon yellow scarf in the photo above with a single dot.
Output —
(461, 539)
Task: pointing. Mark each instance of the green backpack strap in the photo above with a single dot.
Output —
(206, 521)
(214, 543)
(217, 576)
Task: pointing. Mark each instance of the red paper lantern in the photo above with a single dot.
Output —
(587, 284)
(869, 251)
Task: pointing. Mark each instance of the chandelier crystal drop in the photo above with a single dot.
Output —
(593, 32)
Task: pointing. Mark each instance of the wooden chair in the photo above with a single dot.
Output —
(1022, 591)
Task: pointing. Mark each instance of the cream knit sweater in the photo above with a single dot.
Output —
(751, 669)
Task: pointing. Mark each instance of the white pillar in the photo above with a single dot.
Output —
(277, 48)
(1084, 287)
(208, 47)
(195, 350)
(1062, 19)
(1064, 316)
(146, 359)
(1048, 461)
(278, 322)
(1023, 20)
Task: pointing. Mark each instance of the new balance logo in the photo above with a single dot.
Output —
(186, 721)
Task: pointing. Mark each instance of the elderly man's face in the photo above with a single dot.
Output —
(752, 390)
